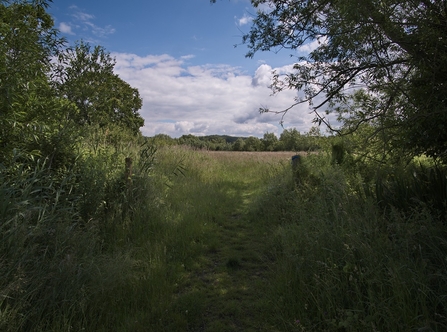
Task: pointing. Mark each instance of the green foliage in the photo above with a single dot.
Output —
(269, 142)
(32, 118)
(252, 144)
(38, 232)
(338, 153)
(101, 230)
(212, 142)
(342, 264)
(382, 63)
(162, 140)
(196, 233)
(239, 145)
(43, 104)
(86, 78)
(290, 140)
(192, 141)
(412, 189)
(146, 158)
(61, 230)
(64, 196)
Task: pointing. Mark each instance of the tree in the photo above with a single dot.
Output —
(377, 62)
(313, 138)
(32, 117)
(239, 144)
(291, 140)
(162, 140)
(43, 103)
(216, 143)
(252, 144)
(269, 142)
(192, 141)
(86, 78)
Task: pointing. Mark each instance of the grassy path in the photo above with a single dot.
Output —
(223, 287)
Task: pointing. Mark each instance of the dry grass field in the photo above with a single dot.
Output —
(254, 156)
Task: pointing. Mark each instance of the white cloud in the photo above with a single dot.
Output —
(100, 32)
(245, 19)
(65, 28)
(309, 47)
(196, 128)
(187, 57)
(263, 76)
(266, 7)
(84, 22)
(209, 99)
(81, 16)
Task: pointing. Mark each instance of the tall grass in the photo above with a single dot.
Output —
(415, 186)
(84, 248)
(40, 243)
(345, 265)
(69, 239)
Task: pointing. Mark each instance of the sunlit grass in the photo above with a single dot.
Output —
(217, 192)
(219, 241)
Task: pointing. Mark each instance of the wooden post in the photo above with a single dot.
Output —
(296, 160)
(338, 153)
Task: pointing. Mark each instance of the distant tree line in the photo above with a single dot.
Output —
(289, 140)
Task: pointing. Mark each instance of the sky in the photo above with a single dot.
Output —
(188, 62)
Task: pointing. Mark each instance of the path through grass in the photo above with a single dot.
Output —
(222, 284)
(224, 242)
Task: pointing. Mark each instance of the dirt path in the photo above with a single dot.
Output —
(226, 288)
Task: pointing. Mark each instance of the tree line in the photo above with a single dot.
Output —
(289, 140)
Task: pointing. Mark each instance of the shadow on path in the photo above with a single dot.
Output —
(225, 288)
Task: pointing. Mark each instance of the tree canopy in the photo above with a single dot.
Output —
(86, 78)
(44, 103)
(31, 115)
(381, 63)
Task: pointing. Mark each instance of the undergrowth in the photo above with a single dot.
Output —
(190, 235)
(350, 261)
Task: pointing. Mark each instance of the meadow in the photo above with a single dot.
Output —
(102, 229)
(217, 241)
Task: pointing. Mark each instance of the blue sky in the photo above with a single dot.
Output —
(180, 55)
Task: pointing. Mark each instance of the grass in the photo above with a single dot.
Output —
(345, 265)
(216, 241)
(222, 277)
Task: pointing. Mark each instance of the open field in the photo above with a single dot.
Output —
(225, 241)
(258, 156)
(223, 287)
(317, 257)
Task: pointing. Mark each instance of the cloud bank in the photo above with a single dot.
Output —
(180, 99)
